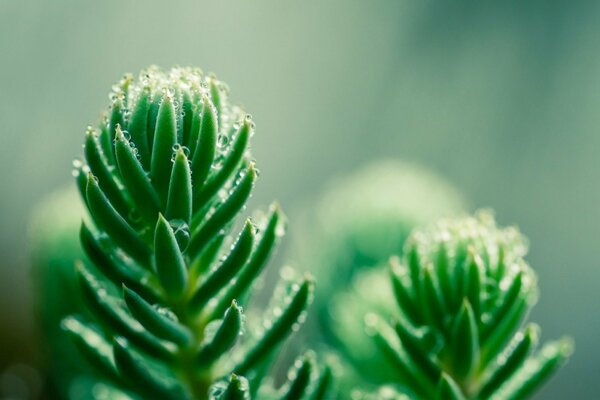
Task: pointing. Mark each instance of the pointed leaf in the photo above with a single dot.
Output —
(411, 342)
(406, 370)
(280, 327)
(217, 97)
(323, 384)
(138, 128)
(509, 364)
(402, 293)
(179, 204)
(154, 321)
(107, 261)
(432, 304)
(236, 389)
(204, 150)
(109, 312)
(254, 266)
(135, 179)
(165, 137)
(508, 301)
(187, 111)
(224, 338)
(504, 330)
(151, 384)
(115, 226)
(231, 163)
(169, 262)
(96, 161)
(300, 378)
(465, 341)
(537, 371)
(473, 284)
(225, 272)
(93, 346)
(442, 269)
(448, 389)
(223, 214)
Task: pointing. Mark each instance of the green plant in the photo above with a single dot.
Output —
(463, 290)
(164, 177)
(346, 237)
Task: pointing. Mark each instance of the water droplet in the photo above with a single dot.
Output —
(222, 140)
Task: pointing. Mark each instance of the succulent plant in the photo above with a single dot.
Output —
(464, 289)
(347, 239)
(163, 178)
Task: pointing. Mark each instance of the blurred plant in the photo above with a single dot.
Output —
(359, 222)
(463, 290)
(164, 177)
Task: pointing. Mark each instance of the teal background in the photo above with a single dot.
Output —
(500, 97)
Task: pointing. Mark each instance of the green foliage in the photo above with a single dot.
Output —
(164, 178)
(360, 221)
(463, 291)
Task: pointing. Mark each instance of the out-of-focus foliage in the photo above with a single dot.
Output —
(360, 221)
(464, 290)
(54, 250)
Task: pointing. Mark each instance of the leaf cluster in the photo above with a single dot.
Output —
(164, 177)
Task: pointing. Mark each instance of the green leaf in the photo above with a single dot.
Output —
(116, 119)
(398, 276)
(135, 179)
(444, 277)
(217, 99)
(500, 336)
(432, 304)
(465, 341)
(170, 265)
(509, 299)
(511, 362)
(473, 283)
(291, 315)
(223, 214)
(206, 258)
(165, 137)
(236, 389)
(407, 371)
(179, 204)
(226, 271)
(254, 266)
(300, 378)
(150, 383)
(93, 346)
(223, 339)
(448, 389)
(117, 228)
(323, 384)
(154, 321)
(537, 370)
(411, 342)
(231, 163)
(187, 111)
(106, 260)
(138, 128)
(97, 164)
(204, 149)
(108, 310)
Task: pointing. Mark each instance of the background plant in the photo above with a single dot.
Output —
(464, 289)
(346, 235)
(164, 177)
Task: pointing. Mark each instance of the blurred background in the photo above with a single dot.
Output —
(502, 98)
